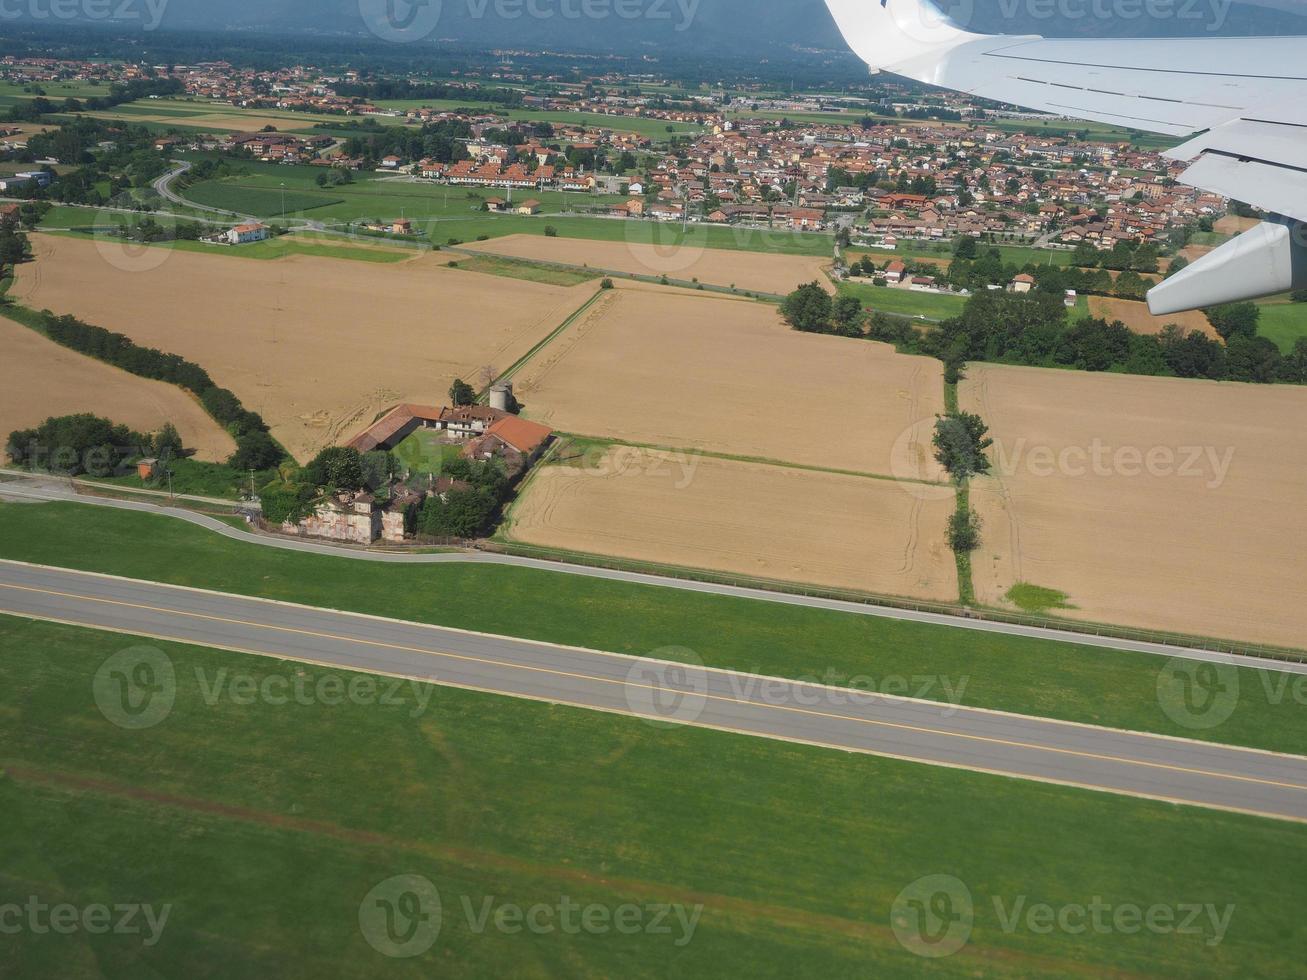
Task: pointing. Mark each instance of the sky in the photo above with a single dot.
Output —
(738, 26)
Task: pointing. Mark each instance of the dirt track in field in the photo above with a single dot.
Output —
(40, 379)
(1191, 520)
(743, 518)
(318, 346)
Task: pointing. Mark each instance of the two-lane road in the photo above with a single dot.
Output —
(1176, 770)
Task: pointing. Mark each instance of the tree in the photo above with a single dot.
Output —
(256, 450)
(964, 247)
(1085, 255)
(964, 531)
(168, 442)
(960, 441)
(808, 308)
(1235, 319)
(1131, 285)
(847, 313)
(461, 393)
(336, 468)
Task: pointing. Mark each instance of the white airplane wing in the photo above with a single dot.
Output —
(1245, 97)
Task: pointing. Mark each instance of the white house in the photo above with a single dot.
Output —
(243, 234)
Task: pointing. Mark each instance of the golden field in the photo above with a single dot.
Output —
(1151, 502)
(763, 272)
(40, 379)
(318, 346)
(748, 519)
(690, 371)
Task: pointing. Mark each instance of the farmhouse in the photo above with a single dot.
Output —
(243, 234)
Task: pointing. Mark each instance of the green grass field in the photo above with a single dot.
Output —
(423, 452)
(262, 202)
(265, 827)
(905, 302)
(1283, 323)
(1037, 677)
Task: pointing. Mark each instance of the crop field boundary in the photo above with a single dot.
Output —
(630, 276)
(585, 442)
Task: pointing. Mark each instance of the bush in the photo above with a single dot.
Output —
(606, 284)
(551, 231)
(964, 531)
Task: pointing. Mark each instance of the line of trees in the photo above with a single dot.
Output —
(85, 443)
(1034, 329)
(255, 448)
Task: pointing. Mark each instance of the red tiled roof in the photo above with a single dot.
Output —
(526, 437)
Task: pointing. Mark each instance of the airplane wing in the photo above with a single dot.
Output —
(1245, 97)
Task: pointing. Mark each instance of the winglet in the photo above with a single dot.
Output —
(901, 36)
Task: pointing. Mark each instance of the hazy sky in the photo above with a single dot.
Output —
(740, 26)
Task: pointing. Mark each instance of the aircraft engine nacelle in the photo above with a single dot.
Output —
(1270, 258)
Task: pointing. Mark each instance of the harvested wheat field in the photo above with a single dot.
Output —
(318, 346)
(40, 379)
(765, 272)
(1232, 224)
(744, 518)
(690, 371)
(1137, 318)
(1159, 503)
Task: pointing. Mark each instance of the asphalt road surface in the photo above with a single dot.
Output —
(36, 489)
(1175, 770)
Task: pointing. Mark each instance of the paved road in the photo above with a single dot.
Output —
(52, 490)
(1121, 762)
(163, 187)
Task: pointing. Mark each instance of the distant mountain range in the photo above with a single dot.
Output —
(734, 27)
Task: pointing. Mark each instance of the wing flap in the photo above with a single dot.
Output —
(1279, 190)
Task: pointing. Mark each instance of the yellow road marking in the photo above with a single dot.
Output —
(628, 684)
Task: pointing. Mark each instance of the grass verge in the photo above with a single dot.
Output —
(1029, 676)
